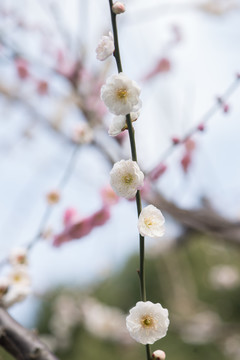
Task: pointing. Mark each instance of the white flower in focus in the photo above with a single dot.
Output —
(126, 178)
(105, 47)
(18, 256)
(151, 222)
(159, 355)
(121, 95)
(118, 8)
(82, 134)
(119, 124)
(19, 276)
(147, 322)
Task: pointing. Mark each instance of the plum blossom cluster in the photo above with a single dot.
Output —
(147, 322)
(16, 286)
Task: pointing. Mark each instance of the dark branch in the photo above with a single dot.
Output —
(205, 219)
(20, 342)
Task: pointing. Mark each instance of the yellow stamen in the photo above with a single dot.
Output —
(127, 179)
(122, 94)
(148, 222)
(17, 278)
(147, 321)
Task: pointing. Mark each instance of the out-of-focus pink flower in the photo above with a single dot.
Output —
(162, 66)
(100, 217)
(70, 216)
(22, 68)
(186, 161)
(80, 228)
(109, 197)
(76, 227)
(60, 239)
(190, 145)
(42, 87)
(158, 171)
(76, 230)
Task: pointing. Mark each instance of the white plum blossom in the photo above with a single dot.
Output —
(126, 178)
(147, 322)
(105, 47)
(119, 124)
(16, 287)
(18, 256)
(121, 95)
(19, 276)
(15, 294)
(159, 355)
(118, 8)
(151, 222)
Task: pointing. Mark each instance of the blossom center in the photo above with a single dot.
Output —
(122, 94)
(147, 321)
(17, 278)
(148, 222)
(128, 179)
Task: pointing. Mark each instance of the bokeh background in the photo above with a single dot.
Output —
(185, 56)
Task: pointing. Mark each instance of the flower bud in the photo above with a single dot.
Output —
(53, 197)
(175, 140)
(201, 127)
(118, 8)
(159, 355)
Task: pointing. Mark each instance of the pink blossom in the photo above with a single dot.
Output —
(42, 87)
(80, 228)
(76, 230)
(70, 216)
(22, 68)
(109, 197)
(186, 161)
(190, 145)
(158, 171)
(100, 217)
(76, 227)
(163, 65)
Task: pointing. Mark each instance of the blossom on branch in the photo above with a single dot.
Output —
(18, 256)
(19, 276)
(121, 95)
(151, 222)
(126, 178)
(119, 124)
(118, 8)
(159, 355)
(105, 47)
(147, 322)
